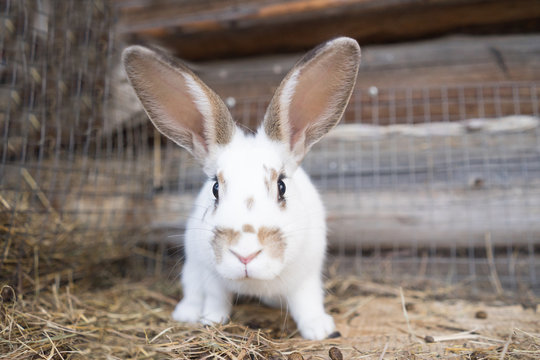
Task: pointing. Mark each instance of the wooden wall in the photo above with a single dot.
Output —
(209, 29)
(407, 166)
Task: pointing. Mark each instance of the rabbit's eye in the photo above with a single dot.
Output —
(215, 190)
(281, 188)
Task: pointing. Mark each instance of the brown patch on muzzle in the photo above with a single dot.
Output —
(223, 237)
(273, 241)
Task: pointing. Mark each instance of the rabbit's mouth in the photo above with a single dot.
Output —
(263, 269)
(246, 273)
(245, 260)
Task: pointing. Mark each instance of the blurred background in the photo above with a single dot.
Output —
(432, 177)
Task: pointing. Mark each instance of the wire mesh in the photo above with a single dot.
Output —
(434, 183)
(415, 190)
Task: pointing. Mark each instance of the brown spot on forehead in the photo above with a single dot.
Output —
(273, 175)
(221, 178)
(271, 179)
(249, 203)
(247, 228)
(271, 238)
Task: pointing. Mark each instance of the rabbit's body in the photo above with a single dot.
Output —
(276, 277)
(258, 225)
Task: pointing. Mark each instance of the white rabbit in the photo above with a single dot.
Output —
(258, 226)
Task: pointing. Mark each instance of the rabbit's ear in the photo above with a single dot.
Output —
(312, 98)
(179, 104)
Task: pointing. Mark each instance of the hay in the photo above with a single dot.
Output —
(128, 320)
(65, 297)
(39, 248)
(131, 319)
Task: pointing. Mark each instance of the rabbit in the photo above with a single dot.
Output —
(258, 225)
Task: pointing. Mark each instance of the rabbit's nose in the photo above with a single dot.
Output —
(246, 259)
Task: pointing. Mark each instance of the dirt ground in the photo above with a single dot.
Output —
(381, 323)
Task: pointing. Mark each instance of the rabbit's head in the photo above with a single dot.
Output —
(255, 207)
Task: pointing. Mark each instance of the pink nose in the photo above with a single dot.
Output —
(246, 259)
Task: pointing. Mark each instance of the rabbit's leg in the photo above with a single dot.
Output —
(189, 309)
(307, 309)
(217, 303)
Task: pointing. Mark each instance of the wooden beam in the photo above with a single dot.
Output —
(445, 61)
(210, 29)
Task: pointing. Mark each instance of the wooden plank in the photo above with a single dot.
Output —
(433, 218)
(407, 218)
(444, 61)
(212, 29)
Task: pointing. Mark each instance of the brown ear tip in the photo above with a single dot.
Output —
(347, 43)
(133, 52)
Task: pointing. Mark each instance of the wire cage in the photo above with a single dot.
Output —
(421, 183)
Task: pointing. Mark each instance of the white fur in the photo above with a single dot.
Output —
(294, 282)
(286, 96)
(201, 101)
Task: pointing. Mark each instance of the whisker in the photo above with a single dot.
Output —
(176, 235)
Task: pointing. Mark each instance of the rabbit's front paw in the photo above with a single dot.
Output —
(215, 317)
(317, 328)
(187, 312)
